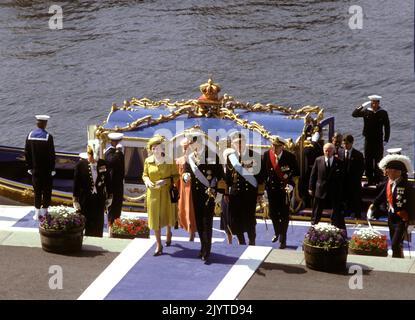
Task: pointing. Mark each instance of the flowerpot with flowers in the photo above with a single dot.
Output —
(130, 228)
(61, 230)
(368, 242)
(325, 248)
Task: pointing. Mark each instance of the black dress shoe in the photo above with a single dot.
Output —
(283, 245)
(158, 252)
(275, 238)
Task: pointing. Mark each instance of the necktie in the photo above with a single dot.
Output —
(328, 164)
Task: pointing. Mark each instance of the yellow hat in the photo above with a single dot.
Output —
(157, 139)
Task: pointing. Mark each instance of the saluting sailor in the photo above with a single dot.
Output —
(115, 159)
(396, 192)
(376, 123)
(40, 160)
(246, 188)
(207, 178)
(92, 192)
(279, 169)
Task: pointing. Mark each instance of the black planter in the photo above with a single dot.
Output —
(328, 260)
(128, 236)
(61, 241)
(375, 253)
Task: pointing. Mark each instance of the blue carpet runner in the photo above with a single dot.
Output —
(177, 274)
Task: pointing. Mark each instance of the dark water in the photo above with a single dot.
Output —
(287, 52)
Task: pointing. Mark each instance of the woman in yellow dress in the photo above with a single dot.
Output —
(159, 173)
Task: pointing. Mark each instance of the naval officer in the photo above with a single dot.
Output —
(396, 192)
(244, 178)
(279, 168)
(207, 178)
(40, 160)
(92, 192)
(115, 160)
(376, 131)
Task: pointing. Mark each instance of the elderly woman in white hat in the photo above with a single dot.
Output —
(396, 193)
(158, 175)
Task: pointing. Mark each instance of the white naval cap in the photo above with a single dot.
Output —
(83, 155)
(115, 136)
(43, 117)
(374, 97)
(394, 151)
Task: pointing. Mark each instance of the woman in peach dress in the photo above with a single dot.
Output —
(186, 212)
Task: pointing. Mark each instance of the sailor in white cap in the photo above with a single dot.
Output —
(397, 194)
(376, 131)
(115, 159)
(280, 172)
(40, 160)
(92, 191)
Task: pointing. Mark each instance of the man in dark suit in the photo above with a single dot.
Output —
(376, 121)
(243, 176)
(279, 168)
(207, 177)
(396, 192)
(325, 186)
(353, 171)
(115, 159)
(92, 191)
(312, 150)
(40, 160)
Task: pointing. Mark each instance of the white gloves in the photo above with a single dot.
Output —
(289, 188)
(148, 182)
(120, 147)
(76, 206)
(366, 103)
(160, 183)
(53, 173)
(186, 177)
(29, 171)
(369, 214)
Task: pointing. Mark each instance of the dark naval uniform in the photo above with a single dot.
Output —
(276, 175)
(116, 166)
(397, 197)
(243, 197)
(92, 196)
(374, 124)
(40, 159)
(352, 188)
(204, 200)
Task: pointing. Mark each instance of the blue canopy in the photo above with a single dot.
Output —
(276, 122)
